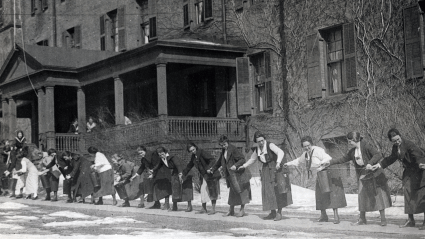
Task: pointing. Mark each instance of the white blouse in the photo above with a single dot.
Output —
(358, 156)
(319, 156)
(101, 163)
(262, 152)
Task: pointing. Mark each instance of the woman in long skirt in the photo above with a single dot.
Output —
(182, 190)
(106, 175)
(30, 172)
(52, 175)
(84, 185)
(237, 180)
(374, 193)
(15, 165)
(313, 157)
(210, 185)
(275, 185)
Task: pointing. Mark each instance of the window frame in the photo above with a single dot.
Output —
(186, 15)
(263, 81)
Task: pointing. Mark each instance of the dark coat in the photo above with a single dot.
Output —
(72, 129)
(20, 143)
(61, 163)
(84, 184)
(202, 161)
(15, 163)
(125, 170)
(150, 160)
(413, 177)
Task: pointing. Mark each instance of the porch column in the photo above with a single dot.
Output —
(233, 107)
(50, 117)
(82, 122)
(12, 118)
(41, 100)
(119, 101)
(161, 79)
(5, 119)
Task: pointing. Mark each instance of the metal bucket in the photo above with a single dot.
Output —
(122, 192)
(45, 181)
(324, 179)
(5, 183)
(95, 179)
(369, 183)
(12, 184)
(66, 186)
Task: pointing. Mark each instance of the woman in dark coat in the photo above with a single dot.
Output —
(181, 189)
(52, 175)
(237, 180)
(275, 185)
(149, 160)
(413, 160)
(210, 185)
(373, 195)
(20, 140)
(315, 156)
(84, 185)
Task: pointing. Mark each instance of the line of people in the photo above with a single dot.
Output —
(162, 175)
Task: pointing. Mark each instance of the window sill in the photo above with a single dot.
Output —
(208, 19)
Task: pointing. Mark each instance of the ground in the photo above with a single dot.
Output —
(21, 218)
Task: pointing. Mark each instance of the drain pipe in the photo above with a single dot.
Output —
(55, 41)
(223, 9)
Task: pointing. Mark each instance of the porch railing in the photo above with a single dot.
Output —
(67, 142)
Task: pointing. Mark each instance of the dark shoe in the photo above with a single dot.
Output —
(81, 201)
(6, 194)
(229, 213)
(189, 209)
(202, 211)
(278, 217)
(54, 199)
(323, 219)
(69, 200)
(336, 221)
(166, 206)
(114, 202)
(35, 198)
(156, 205)
(46, 199)
(383, 223)
(125, 204)
(100, 202)
(211, 212)
(241, 213)
(271, 216)
(141, 205)
(12, 195)
(19, 196)
(27, 197)
(359, 222)
(408, 223)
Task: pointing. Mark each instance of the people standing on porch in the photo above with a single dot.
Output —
(237, 180)
(30, 173)
(91, 125)
(210, 185)
(14, 165)
(413, 159)
(52, 175)
(374, 193)
(275, 184)
(106, 175)
(20, 140)
(181, 188)
(73, 128)
(313, 157)
(149, 159)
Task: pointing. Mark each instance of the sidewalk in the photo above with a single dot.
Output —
(292, 221)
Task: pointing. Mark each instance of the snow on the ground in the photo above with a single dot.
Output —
(69, 214)
(153, 235)
(9, 227)
(20, 218)
(103, 221)
(12, 205)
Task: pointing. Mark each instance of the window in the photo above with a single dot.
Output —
(331, 63)
(112, 31)
(44, 4)
(33, 6)
(145, 32)
(412, 43)
(71, 38)
(208, 9)
(186, 15)
(199, 10)
(263, 81)
(1, 12)
(43, 43)
(152, 20)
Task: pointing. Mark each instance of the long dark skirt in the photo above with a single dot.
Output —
(106, 184)
(161, 189)
(242, 198)
(414, 195)
(182, 192)
(271, 194)
(212, 188)
(333, 199)
(84, 186)
(54, 182)
(374, 195)
(147, 186)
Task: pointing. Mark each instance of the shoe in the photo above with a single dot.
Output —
(19, 196)
(189, 209)
(69, 200)
(54, 199)
(156, 205)
(6, 194)
(125, 204)
(359, 222)
(336, 221)
(166, 206)
(141, 205)
(173, 209)
(27, 197)
(212, 212)
(241, 213)
(35, 198)
(114, 202)
(81, 201)
(98, 202)
(408, 223)
(271, 216)
(202, 211)
(229, 213)
(383, 223)
(12, 195)
(46, 199)
(278, 217)
(323, 219)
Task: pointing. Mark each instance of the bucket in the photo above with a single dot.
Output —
(66, 186)
(94, 176)
(369, 183)
(324, 179)
(12, 184)
(5, 182)
(120, 188)
(45, 181)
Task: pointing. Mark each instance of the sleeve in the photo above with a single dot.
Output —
(376, 156)
(76, 168)
(127, 171)
(209, 159)
(51, 164)
(157, 167)
(296, 162)
(279, 152)
(24, 166)
(178, 162)
(387, 161)
(238, 157)
(189, 166)
(217, 164)
(344, 159)
(142, 167)
(251, 160)
(417, 154)
(13, 162)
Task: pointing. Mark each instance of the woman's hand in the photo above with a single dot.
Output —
(209, 171)
(277, 166)
(133, 177)
(233, 168)
(422, 165)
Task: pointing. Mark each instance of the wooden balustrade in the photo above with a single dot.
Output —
(67, 142)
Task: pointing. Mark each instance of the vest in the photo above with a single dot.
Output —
(270, 156)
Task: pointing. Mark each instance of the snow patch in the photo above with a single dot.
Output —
(20, 218)
(12, 205)
(249, 231)
(69, 214)
(9, 227)
(106, 220)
